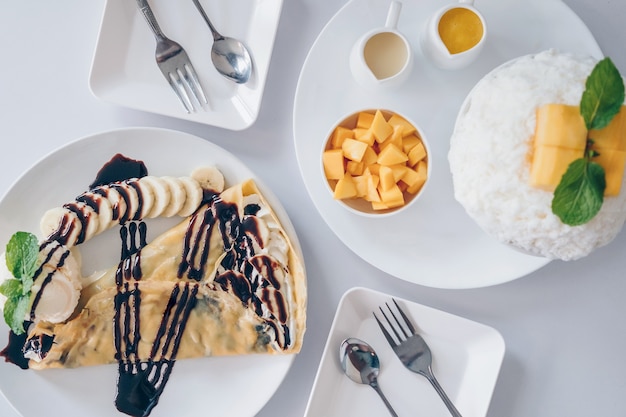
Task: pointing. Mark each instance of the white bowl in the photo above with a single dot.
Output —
(359, 205)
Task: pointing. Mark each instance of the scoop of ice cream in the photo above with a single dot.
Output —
(57, 284)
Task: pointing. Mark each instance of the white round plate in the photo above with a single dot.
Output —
(434, 242)
(234, 386)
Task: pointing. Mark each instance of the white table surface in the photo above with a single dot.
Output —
(564, 325)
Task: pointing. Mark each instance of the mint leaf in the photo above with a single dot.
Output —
(603, 95)
(11, 288)
(579, 195)
(15, 310)
(21, 255)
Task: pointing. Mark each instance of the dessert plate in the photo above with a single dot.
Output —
(196, 385)
(124, 70)
(466, 361)
(434, 242)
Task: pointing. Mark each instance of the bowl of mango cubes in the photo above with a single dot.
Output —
(375, 162)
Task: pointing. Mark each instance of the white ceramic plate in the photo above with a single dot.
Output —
(466, 361)
(434, 242)
(196, 386)
(124, 69)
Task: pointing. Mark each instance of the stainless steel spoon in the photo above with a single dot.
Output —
(230, 56)
(360, 363)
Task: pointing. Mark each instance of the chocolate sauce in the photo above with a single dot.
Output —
(119, 168)
(38, 345)
(249, 277)
(14, 353)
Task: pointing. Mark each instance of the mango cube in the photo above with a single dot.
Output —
(380, 128)
(549, 165)
(612, 136)
(360, 182)
(422, 174)
(409, 142)
(345, 188)
(369, 157)
(417, 154)
(391, 155)
(340, 134)
(333, 164)
(613, 162)
(392, 197)
(399, 121)
(366, 136)
(387, 180)
(560, 125)
(364, 120)
(353, 149)
(355, 168)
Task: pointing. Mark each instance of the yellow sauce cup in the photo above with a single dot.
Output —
(454, 36)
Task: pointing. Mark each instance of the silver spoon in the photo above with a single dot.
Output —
(230, 56)
(360, 363)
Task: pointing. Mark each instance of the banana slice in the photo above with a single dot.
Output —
(102, 206)
(146, 198)
(177, 196)
(161, 193)
(118, 203)
(88, 218)
(194, 195)
(209, 178)
(63, 223)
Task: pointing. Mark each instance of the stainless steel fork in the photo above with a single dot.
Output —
(175, 64)
(412, 350)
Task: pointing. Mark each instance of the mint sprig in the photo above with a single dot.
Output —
(21, 256)
(580, 193)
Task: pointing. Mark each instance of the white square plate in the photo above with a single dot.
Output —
(466, 362)
(124, 70)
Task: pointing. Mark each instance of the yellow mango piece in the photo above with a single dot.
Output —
(395, 138)
(333, 164)
(360, 182)
(391, 155)
(355, 168)
(399, 121)
(422, 175)
(560, 125)
(353, 149)
(379, 205)
(392, 197)
(345, 188)
(380, 128)
(364, 120)
(398, 171)
(416, 154)
(374, 169)
(549, 164)
(371, 193)
(613, 136)
(366, 136)
(340, 134)
(369, 157)
(613, 162)
(387, 180)
(409, 142)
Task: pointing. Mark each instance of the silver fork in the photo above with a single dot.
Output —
(174, 63)
(412, 350)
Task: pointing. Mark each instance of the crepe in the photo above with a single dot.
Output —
(241, 281)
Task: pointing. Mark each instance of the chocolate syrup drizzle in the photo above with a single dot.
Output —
(249, 276)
